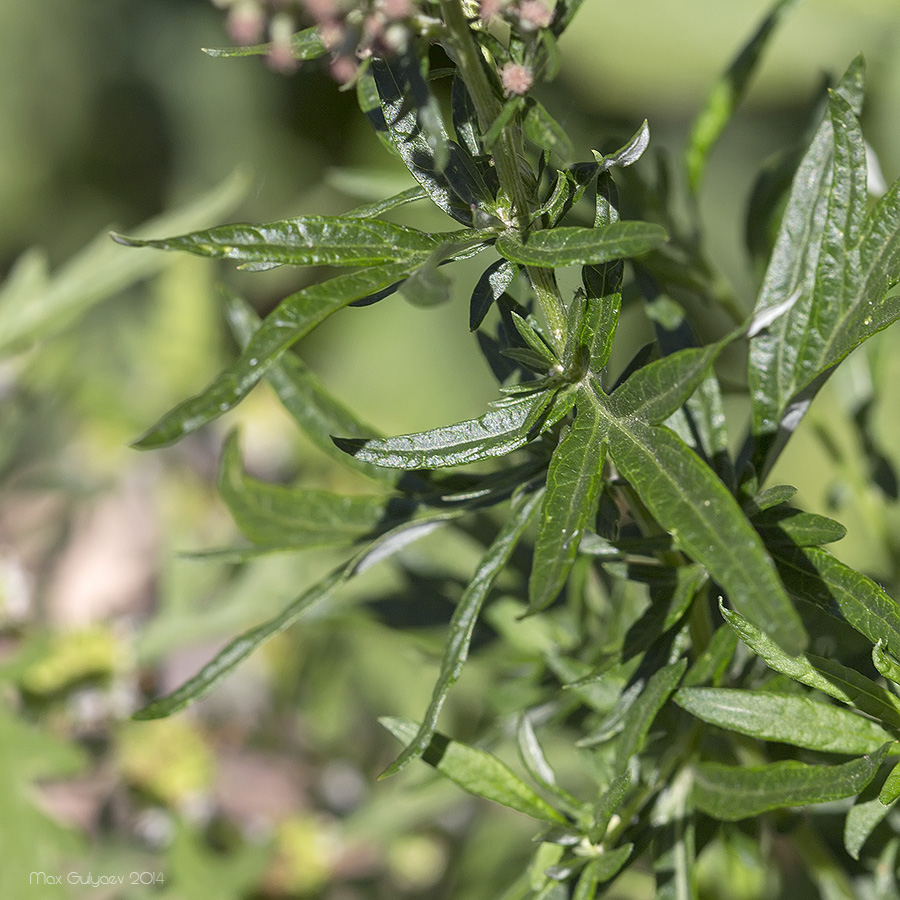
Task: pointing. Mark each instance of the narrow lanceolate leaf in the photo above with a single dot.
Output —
(582, 246)
(658, 689)
(304, 241)
(477, 772)
(273, 515)
(601, 869)
(573, 484)
(312, 407)
(731, 793)
(228, 659)
(726, 94)
(690, 502)
(496, 433)
(305, 44)
(463, 622)
(295, 317)
(890, 790)
(783, 526)
(841, 263)
(785, 718)
(656, 390)
(825, 675)
(674, 841)
(814, 575)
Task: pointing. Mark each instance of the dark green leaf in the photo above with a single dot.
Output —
(463, 622)
(785, 718)
(783, 526)
(495, 279)
(814, 575)
(726, 94)
(305, 241)
(694, 506)
(601, 869)
(890, 790)
(656, 390)
(496, 433)
(606, 806)
(825, 675)
(839, 262)
(295, 317)
(477, 772)
(731, 793)
(315, 410)
(885, 663)
(306, 44)
(657, 690)
(277, 516)
(711, 664)
(571, 245)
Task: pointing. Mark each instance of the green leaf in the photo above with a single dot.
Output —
(277, 516)
(840, 263)
(312, 407)
(885, 663)
(656, 390)
(657, 690)
(545, 132)
(477, 772)
(375, 209)
(567, 246)
(35, 303)
(495, 279)
(825, 675)
(604, 809)
(295, 317)
(304, 241)
(726, 94)
(690, 502)
(674, 841)
(731, 793)
(710, 666)
(463, 622)
(890, 790)
(814, 575)
(496, 433)
(862, 819)
(237, 650)
(783, 526)
(601, 869)
(573, 485)
(785, 718)
(305, 44)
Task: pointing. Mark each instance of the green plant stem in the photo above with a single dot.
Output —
(507, 154)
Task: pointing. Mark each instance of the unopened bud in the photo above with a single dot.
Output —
(516, 78)
(533, 14)
(246, 22)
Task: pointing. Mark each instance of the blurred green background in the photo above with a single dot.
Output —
(111, 116)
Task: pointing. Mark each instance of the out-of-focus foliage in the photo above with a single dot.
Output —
(110, 116)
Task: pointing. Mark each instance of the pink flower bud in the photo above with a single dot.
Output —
(516, 78)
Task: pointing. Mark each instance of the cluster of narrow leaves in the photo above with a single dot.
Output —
(687, 589)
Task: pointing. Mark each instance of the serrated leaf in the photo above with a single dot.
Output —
(312, 407)
(732, 793)
(573, 485)
(726, 94)
(303, 241)
(825, 675)
(694, 506)
(293, 318)
(463, 622)
(814, 575)
(477, 772)
(277, 516)
(567, 246)
(839, 260)
(305, 44)
(785, 718)
(496, 433)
